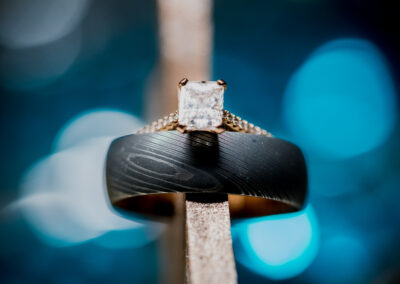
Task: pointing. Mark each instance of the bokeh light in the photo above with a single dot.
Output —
(64, 195)
(31, 68)
(341, 102)
(279, 246)
(289, 70)
(25, 23)
(96, 123)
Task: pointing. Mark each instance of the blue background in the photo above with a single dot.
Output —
(323, 74)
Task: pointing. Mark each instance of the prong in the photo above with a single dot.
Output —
(221, 83)
(181, 129)
(182, 82)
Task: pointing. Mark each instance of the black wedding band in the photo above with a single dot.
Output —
(261, 175)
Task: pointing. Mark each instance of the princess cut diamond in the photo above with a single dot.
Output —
(200, 105)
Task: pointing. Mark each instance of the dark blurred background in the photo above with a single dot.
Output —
(321, 73)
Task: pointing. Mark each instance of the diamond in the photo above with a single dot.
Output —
(200, 105)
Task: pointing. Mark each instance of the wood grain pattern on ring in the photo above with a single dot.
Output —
(262, 175)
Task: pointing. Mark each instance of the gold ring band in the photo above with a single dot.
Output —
(230, 122)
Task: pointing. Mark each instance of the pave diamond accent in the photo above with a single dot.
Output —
(200, 105)
(230, 122)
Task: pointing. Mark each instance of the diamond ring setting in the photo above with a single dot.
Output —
(201, 109)
(200, 105)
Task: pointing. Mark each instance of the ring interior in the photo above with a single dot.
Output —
(240, 206)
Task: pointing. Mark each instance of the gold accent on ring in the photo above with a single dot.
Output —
(221, 83)
(182, 82)
(230, 122)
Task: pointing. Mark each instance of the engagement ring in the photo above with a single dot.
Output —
(201, 109)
